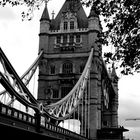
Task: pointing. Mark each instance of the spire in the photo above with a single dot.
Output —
(93, 12)
(53, 14)
(45, 15)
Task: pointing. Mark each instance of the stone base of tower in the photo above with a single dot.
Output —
(111, 133)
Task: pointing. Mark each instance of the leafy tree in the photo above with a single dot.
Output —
(122, 19)
(30, 4)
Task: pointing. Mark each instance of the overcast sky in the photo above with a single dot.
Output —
(19, 40)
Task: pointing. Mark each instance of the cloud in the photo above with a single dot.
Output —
(129, 102)
(7, 13)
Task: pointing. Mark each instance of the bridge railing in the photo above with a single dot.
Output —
(61, 130)
(13, 113)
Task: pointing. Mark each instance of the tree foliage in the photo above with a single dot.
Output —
(122, 18)
(30, 4)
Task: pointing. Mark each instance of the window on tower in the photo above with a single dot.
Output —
(52, 69)
(65, 39)
(78, 38)
(65, 25)
(71, 25)
(65, 90)
(55, 93)
(67, 68)
(71, 39)
(58, 39)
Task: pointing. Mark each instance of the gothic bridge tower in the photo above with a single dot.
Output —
(67, 40)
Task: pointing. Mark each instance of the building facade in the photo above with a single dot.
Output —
(66, 41)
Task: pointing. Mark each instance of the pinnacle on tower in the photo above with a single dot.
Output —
(45, 15)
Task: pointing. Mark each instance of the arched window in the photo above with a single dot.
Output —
(78, 38)
(71, 25)
(67, 68)
(65, 25)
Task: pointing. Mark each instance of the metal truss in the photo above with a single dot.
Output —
(15, 86)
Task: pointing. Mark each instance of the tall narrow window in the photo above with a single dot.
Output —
(58, 39)
(52, 69)
(65, 25)
(71, 38)
(55, 93)
(65, 39)
(67, 68)
(65, 90)
(78, 38)
(71, 25)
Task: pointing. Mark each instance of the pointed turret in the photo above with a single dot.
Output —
(94, 28)
(93, 19)
(45, 21)
(44, 29)
(45, 15)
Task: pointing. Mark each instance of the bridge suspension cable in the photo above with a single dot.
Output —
(67, 105)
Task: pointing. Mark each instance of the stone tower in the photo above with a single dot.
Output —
(67, 40)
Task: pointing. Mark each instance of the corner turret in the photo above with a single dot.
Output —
(93, 20)
(94, 27)
(45, 21)
(44, 29)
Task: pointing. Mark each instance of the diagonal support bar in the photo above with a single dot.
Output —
(10, 70)
(12, 91)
